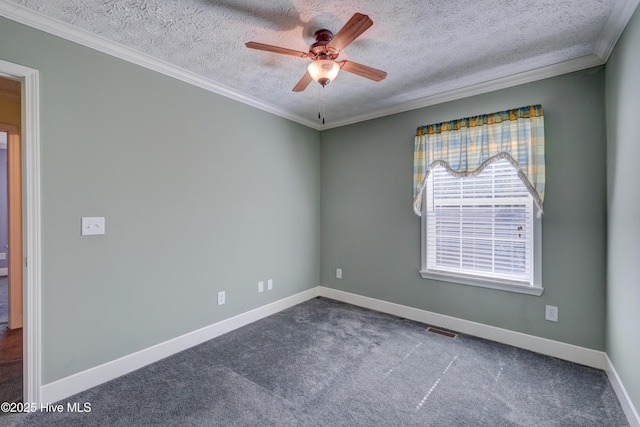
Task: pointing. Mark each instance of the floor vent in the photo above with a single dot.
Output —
(441, 332)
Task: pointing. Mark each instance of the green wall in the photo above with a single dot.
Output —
(200, 193)
(203, 194)
(370, 231)
(623, 155)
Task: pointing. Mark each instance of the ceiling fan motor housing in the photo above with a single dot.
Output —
(320, 50)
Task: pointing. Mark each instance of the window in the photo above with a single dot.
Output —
(481, 230)
(482, 225)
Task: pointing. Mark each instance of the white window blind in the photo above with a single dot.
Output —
(480, 226)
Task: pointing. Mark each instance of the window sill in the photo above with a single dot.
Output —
(483, 283)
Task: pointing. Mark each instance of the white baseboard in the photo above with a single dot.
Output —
(621, 393)
(92, 377)
(584, 356)
(572, 353)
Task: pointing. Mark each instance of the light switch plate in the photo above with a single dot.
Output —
(92, 225)
(269, 284)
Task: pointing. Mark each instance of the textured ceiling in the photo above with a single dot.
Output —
(427, 47)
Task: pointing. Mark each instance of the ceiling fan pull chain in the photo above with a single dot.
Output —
(322, 97)
(323, 111)
(319, 105)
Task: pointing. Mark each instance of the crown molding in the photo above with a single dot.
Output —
(58, 28)
(620, 16)
(618, 20)
(478, 89)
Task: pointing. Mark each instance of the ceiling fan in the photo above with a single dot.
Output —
(324, 52)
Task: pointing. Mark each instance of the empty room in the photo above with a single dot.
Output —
(295, 212)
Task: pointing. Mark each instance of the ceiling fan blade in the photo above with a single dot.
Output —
(357, 25)
(276, 49)
(303, 83)
(363, 70)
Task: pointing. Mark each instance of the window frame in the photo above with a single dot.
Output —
(492, 283)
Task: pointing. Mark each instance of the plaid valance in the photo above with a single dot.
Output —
(466, 146)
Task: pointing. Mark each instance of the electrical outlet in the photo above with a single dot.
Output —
(551, 313)
(269, 284)
(221, 298)
(92, 225)
(260, 286)
(338, 273)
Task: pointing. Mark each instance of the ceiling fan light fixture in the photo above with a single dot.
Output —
(324, 70)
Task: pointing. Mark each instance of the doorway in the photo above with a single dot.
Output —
(11, 301)
(30, 262)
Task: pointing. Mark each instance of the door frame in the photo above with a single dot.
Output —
(31, 231)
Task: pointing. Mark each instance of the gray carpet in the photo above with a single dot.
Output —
(325, 363)
(11, 381)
